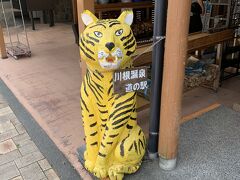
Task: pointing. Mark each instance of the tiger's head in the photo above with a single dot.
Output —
(109, 44)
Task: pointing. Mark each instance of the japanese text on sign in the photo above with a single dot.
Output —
(136, 86)
(129, 80)
(130, 75)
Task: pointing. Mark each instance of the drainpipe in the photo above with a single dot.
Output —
(157, 71)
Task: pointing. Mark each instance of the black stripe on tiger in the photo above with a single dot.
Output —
(87, 41)
(113, 24)
(98, 24)
(139, 132)
(141, 143)
(92, 38)
(129, 53)
(127, 100)
(103, 145)
(93, 124)
(112, 21)
(119, 109)
(84, 87)
(144, 140)
(120, 120)
(103, 112)
(139, 147)
(132, 118)
(130, 148)
(85, 106)
(121, 125)
(96, 76)
(109, 90)
(92, 87)
(83, 44)
(130, 45)
(129, 41)
(113, 136)
(110, 98)
(126, 37)
(122, 146)
(93, 134)
(94, 144)
(100, 74)
(122, 113)
(100, 88)
(102, 155)
(100, 105)
(103, 120)
(109, 143)
(92, 91)
(86, 54)
(135, 146)
(91, 115)
(129, 126)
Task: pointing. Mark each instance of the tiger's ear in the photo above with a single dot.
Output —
(126, 17)
(88, 17)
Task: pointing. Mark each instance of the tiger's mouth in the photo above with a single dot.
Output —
(110, 61)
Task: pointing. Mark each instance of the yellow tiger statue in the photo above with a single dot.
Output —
(115, 144)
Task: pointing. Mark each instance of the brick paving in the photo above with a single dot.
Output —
(20, 158)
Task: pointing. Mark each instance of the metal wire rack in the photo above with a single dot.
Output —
(12, 21)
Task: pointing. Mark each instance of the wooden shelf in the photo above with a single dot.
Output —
(119, 6)
(196, 41)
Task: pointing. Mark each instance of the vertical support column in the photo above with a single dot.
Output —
(160, 16)
(75, 12)
(81, 6)
(178, 16)
(2, 45)
(220, 75)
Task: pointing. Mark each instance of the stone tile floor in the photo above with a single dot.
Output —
(20, 158)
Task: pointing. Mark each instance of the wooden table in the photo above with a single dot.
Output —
(2, 45)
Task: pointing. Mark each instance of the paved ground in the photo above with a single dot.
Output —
(20, 159)
(208, 150)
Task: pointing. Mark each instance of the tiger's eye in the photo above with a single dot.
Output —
(119, 32)
(98, 34)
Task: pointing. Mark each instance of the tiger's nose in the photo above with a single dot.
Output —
(110, 45)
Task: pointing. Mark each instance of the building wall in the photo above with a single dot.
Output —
(63, 11)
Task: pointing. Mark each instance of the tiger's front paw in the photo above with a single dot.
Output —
(100, 172)
(89, 165)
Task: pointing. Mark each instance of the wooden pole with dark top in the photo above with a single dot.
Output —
(178, 16)
(3, 52)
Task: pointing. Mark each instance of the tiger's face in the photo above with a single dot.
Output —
(109, 44)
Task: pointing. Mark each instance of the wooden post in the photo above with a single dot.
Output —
(75, 11)
(217, 82)
(2, 45)
(173, 77)
(81, 6)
